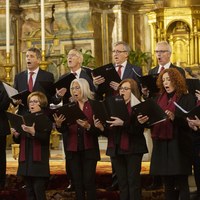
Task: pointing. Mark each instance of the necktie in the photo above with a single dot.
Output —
(75, 74)
(119, 71)
(162, 68)
(30, 81)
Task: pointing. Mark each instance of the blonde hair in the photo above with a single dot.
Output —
(41, 97)
(84, 87)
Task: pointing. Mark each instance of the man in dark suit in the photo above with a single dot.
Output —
(74, 62)
(163, 53)
(22, 80)
(4, 131)
(120, 53)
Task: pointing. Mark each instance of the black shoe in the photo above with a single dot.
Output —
(70, 188)
(113, 187)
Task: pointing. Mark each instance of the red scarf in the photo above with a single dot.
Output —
(164, 130)
(124, 141)
(36, 150)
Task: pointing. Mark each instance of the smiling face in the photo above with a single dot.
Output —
(169, 87)
(34, 104)
(163, 54)
(119, 54)
(32, 61)
(76, 91)
(74, 60)
(125, 91)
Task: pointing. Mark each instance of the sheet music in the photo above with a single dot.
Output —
(10, 90)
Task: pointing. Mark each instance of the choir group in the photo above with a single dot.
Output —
(119, 89)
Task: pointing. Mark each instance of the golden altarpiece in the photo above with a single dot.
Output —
(95, 25)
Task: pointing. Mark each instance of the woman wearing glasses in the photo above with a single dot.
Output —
(34, 149)
(81, 142)
(126, 144)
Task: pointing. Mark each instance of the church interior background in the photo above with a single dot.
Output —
(95, 25)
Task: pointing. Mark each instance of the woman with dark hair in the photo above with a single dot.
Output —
(34, 149)
(172, 144)
(126, 144)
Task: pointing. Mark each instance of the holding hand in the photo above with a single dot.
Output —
(98, 124)
(114, 85)
(98, 80)
(115, 122)
(29, 129)
(59, 119)
(84, 123)
(194, 123)
(142, 119)
(61, 92)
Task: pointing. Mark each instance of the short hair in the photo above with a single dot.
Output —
(78, 53)
(165, 43)
(84, 87)
(126, 46)
(177, 80)
(41, 97)
(36, 51)
(133, 85)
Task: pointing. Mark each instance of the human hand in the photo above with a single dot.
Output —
(98, 80)
(114, 85)
(142, 119)
(98, 124)
(83, 123)
(61, 92)
(29, 129)
(59, 119)
(115, 122)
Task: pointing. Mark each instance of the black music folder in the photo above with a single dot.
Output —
(113, 106)
(63, 82)
(14, 94)
(193, 85)
(150, 108)
(190, 114)
(109, 73)
(71, 111)
(149, 81)
(40, 119)
(23, 95)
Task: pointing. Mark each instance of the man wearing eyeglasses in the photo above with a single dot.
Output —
(120, 54)
(163, 53)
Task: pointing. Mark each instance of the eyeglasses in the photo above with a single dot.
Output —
(161, 51)
(33, 101)
(124, 88)
(71, 55)
(118, 52)
(75, 88)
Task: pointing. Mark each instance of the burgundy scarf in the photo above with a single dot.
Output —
(36, 150)
(164, 130)
(124, 140)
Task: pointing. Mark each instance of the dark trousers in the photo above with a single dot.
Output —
(35, 187)
(196, 164)
(2, 160)
(83, 173)
(176, 187)
(128, 169)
